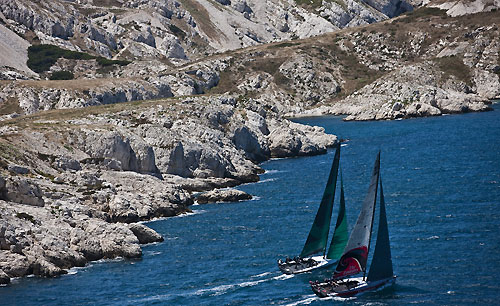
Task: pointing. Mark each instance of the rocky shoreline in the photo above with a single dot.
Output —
(74, 184)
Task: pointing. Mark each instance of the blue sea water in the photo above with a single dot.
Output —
(442, 186)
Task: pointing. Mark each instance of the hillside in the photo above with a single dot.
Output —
(419, 64)
(186, 29)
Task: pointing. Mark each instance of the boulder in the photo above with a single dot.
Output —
(67, 163)
(122, 210)
(145, 234)
(4, 278)
(171, 47)
(244, 139)
(14, 265)
(293, 139)
(145, 37)
(223, 195)
(90, 248)
(284, 143)
(16, 169)
(241, 6)
(23, 191)
(487, 83)
(44, 268)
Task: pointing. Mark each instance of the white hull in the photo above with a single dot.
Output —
(295, 268)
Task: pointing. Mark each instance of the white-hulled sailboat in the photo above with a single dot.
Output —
(355, 256)
(318, 235)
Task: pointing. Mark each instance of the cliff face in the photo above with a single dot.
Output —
(72, 180)
(423, 63)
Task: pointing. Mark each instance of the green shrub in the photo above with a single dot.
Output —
(107, 62)
(421, 13)
(42, 57)
(309, 3)
(283, 45)
(177, 31)
(454, 65)
(25, 216)
(62, 75)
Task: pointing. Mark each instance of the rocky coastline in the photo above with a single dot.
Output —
(74, 184)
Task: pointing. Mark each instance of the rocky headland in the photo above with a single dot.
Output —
(116, 112)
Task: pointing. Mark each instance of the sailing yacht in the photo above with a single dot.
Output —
(354, 259)
(318, 235)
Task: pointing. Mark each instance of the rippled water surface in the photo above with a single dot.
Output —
(442, 186)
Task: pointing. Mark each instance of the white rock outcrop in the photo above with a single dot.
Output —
(223, 195)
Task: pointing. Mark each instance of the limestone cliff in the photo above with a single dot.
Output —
(70, 181)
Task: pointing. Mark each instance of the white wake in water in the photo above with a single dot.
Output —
(260, 275)
(283, 277)
(308, 299)
(272, 171)
(216, 290)
(74, 270)
(189, 214)
(222, 289)
(183, 215)
(266, 180)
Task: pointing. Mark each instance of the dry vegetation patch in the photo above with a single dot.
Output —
(454, 66)
(9, 106)
(200, 14)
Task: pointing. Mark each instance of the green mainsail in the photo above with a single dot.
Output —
(340, 235)
(318, 235)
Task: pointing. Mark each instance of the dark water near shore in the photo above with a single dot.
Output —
(442, 186)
